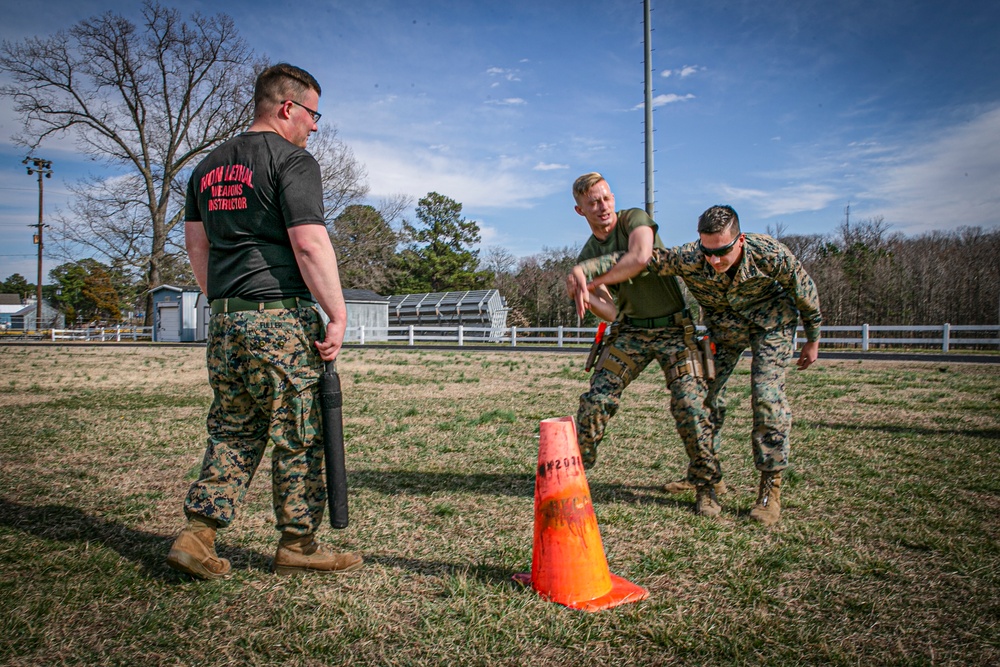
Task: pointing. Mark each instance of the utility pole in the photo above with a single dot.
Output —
(650, 203)
(41, 167)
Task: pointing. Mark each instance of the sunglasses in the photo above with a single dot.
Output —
(719, 252)
(312, 112)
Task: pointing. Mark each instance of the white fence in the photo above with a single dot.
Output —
(104, 334)
(865, 337)
(943, 337)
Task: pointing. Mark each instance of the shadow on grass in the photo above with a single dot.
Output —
(414, 482)
(494, 576)
(148, 550)
(987, 433)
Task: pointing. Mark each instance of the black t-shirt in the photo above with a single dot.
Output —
(247, 192)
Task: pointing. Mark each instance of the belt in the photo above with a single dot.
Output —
(234, 305)
(675, 320)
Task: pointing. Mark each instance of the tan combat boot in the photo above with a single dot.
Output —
(681, 485)
(296, 555)
(193, 552)
(768, 508)
(706, 504)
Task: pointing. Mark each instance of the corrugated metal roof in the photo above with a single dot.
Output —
(473, 308)
(359, 295)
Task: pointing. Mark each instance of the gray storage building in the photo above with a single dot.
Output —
(176, 314)
(367, 309)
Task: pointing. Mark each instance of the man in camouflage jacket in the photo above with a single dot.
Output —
(651, 324)
(752, 291)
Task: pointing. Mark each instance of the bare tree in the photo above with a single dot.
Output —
(149, 99)
(778, 231)
(540, 287)
(502, 265)
(345, 180)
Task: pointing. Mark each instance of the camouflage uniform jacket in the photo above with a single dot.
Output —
(771, 288)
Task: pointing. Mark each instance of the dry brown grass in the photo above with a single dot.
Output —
(887, 552)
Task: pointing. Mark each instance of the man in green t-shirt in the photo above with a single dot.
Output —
(650, 323)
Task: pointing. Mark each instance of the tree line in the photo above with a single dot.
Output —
(867, 274)
(864, 273)
(151, 99)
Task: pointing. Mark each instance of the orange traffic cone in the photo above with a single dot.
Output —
(568, 565)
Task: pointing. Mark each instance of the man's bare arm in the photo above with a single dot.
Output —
(633, 262)
(318, 263)
(196, 242)
(603, 305)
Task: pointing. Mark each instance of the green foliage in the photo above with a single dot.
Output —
(87, 291)
(366, 248)
(17, 284)
(439, 256)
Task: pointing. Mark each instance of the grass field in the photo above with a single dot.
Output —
(888, 552)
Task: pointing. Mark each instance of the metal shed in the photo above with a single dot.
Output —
(175, 313)
(9, 305)
(367, 309)
(473, 308)
(25, 319)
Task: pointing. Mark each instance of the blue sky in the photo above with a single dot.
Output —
(787, 110)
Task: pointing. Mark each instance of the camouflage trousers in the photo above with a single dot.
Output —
(687, 400)
(264, 370)
(772, 416)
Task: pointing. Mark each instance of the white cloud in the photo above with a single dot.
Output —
(663, 100)
(543, 166)
(488, 235)
(683, 72)
(503, 183)
(782, 201)
(951, 180)
(507, 101)
(505, 74)
(938, 179)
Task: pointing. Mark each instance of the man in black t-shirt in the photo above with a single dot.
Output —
(260, 251)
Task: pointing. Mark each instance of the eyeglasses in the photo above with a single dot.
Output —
(719, 252)
(312, 112)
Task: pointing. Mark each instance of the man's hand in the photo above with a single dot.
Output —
(576, 288)
(810, 352)
(330, 346)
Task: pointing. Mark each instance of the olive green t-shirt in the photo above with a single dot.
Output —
(647, 295)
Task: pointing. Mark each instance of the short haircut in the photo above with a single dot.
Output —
(719, 219)
(282, 82)
(583, 184)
